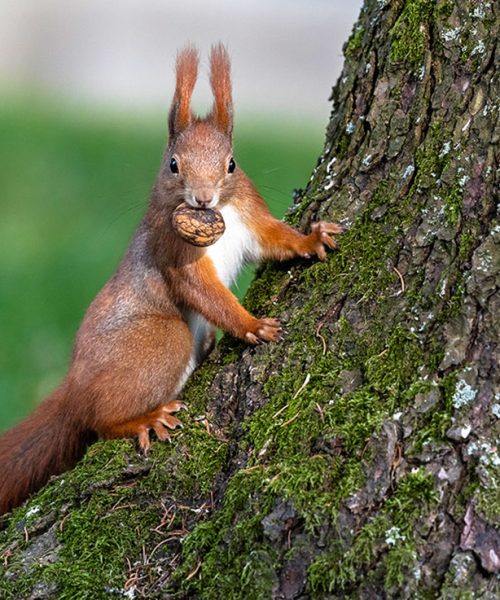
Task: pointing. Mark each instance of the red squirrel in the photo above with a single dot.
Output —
(154, 320)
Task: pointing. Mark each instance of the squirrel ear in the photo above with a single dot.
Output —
(186, 72)
(220, 80)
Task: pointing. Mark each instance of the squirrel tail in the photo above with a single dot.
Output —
(47, 443)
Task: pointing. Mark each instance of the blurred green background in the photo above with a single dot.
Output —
(74, 184)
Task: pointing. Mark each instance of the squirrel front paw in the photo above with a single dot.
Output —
(321, 235)
(264, 330)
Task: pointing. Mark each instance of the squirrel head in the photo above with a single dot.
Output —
(198, 163)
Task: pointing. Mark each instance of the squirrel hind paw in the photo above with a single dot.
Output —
(174, 406)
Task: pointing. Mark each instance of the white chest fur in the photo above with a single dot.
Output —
(234, 248)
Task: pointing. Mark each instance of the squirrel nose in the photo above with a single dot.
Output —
(203, 197)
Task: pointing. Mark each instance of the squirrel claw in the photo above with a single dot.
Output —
(174, 406)
(322, 227)
(321, 237)
(159, 420)
(266, 330)
(161, 433)
(168, 421)
(144, 443)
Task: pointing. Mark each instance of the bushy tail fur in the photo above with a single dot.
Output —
(47, 443)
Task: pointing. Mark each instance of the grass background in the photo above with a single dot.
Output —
(73, 186)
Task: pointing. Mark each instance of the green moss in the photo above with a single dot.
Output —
(430, 158)
(203, 455)
(455, 301)
(453, 200)
(435, 424)
(468, 239)
(342, 146)
(432, 162)
(103, 462)
(306, 445)
(484, 480)
(289, 425)
(229, 552)
(197, 394)
(395, 366)
(409, 35)
(267, 286)
(95, 535)
(361, 262)
(97, 540)
(286, 429)
(488, 494)
(13, 587)
(386, 543)
(355, 41)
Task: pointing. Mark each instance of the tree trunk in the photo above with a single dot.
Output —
(357, 458)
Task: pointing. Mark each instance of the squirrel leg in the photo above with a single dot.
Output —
(135, 370)
(280, 242)
(160, 420)
(219, 306)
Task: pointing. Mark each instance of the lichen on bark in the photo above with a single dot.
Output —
(358, 457)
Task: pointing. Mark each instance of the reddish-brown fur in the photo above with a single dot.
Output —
(186, 74)
(220, 81)
(136, 346)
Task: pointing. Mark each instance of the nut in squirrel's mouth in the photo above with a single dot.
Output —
(200, 226)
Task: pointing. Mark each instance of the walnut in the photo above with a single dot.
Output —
(199, 227)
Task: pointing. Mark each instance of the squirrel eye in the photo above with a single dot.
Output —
(173, 166)
(232, 166)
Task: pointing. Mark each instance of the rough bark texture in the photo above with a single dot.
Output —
(358, 458)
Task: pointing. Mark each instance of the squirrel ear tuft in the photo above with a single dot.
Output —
(220, 80)
(186, 73)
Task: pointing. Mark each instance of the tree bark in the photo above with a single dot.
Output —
(357, 458)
